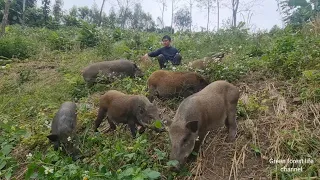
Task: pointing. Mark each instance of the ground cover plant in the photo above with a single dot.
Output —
(278, 73)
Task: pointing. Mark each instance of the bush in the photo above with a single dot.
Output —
(88, 35)
(14, 46)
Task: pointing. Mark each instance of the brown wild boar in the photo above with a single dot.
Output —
(199, 64)
(205, 62)
(168, 84)
(127, 109)
(111, 69)
(207, 110)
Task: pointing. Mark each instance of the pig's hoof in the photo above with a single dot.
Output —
(230, 139)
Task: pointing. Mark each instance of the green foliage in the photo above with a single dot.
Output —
(299, 12)
(61, 40)
(88, 35)
(36, 94)
(293, 53)
(182, 19)
(16, 46)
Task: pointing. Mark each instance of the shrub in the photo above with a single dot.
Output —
(88, 35)
(16, 46)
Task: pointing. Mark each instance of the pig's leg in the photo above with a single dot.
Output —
(232, 124)
(143, 127)
(132, 126)
(101, 116)
(196, 148)
(199, 142)
(152, 93)
(112, 126)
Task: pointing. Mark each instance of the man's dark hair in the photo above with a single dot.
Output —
(166, 37)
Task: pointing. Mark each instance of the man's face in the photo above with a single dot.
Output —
(165, 42)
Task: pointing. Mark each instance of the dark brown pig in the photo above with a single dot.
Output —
(111, 69)
(63, 127)
(207, 110)
(168, 84)
(127, 109)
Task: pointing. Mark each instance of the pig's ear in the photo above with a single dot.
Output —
(192, 126)
(52, 137)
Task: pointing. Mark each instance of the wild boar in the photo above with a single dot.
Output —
(199, 64)
(111, 69)
(63, 126)
(207, 110)
(168, 84)
(127, 109)
(204, 63)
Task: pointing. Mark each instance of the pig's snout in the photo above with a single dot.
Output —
(175, 168)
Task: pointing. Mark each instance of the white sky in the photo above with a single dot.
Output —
(265, 14)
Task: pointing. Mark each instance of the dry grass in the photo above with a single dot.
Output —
(267, 133)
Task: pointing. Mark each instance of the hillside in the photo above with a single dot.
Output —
(278, 73)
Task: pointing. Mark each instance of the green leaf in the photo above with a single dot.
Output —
(172, 163)
(6, 149)
(128, 172)
(130, 156)
(151, 173)
(73, 169)
(139, 177)
(8, 175)
(2, 164)
(158, 124)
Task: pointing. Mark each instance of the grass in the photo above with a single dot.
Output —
(278, 117)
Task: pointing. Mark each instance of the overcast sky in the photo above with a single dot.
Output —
(265, 14)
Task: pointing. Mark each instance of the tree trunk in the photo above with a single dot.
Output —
(5, 18)
(208, 16)
(172, 15)
(124, 18)
(191, 15)
(218, 15)
(235, 5)
(100, 18)
(23, 12)
(163, 5)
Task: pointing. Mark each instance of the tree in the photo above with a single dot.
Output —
(94, 14)
(140, 19)
(71, 18)
(23, 11)
(100, 18)
(299, 12)
(5, 17)
(172, 11)
(34, 17)
(84, 13)
(57, 10)
(208, 5)
(125, 12)
(182, 19)
(111, 20)
(218, 8)
(190, 2)
(235, 6)
(16, 10)
(238, 6)
(163, 4)
(137, 16)
(46, 10)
